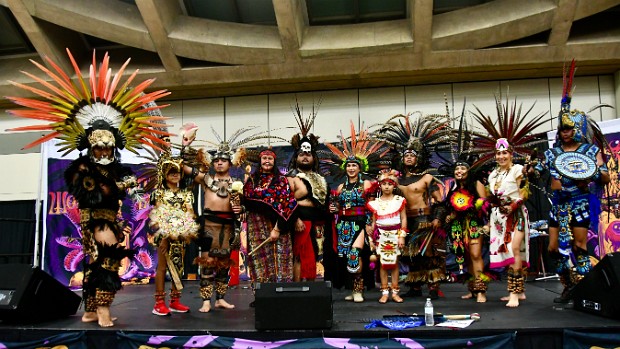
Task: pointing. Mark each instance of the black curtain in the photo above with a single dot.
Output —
(17, 226)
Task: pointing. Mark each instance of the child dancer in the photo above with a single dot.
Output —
(389, 222)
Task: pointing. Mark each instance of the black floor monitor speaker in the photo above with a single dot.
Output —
(598, 292)
(294, 306)
(28, 295)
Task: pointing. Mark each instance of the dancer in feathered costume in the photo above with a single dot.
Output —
(357, 155)
(466, 215)
(575, 161)
(99, 115)
(414, 139)
(501, 139)
(223, 211)
(221, 216)
(311, 193)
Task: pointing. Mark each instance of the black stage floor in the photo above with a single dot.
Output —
(537, 322)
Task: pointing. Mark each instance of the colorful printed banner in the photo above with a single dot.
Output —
(145, 341)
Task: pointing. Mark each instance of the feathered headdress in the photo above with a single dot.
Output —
(388, 175)
(358, 148)
(99, 111)
(420, 134)
(586, 129)
(508, 132)
(460, 152)
(165, 165)
(235, 148)
(571, 119)
(304, 141)
(156, 166)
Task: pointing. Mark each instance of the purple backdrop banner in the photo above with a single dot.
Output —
(63, 255)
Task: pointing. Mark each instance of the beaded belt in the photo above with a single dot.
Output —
(419, 212)
(354, 211)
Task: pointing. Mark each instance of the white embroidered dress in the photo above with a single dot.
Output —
(387, 218)
(504, 184)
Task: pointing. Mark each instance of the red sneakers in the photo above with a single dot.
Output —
(177, 307)
(161, 309)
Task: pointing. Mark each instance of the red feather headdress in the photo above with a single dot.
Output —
(511, 125)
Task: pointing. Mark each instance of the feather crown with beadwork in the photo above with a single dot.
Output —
(421, 135)
(236, 147)
(358, 148)
(586, 129)
(100, 110)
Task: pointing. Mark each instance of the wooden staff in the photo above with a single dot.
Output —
(439, 317)
(259, 246)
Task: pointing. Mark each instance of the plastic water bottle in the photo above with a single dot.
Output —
(428, 313)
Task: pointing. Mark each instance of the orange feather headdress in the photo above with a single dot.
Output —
(99, 102)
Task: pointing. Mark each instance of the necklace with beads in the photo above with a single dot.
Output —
(499, 178)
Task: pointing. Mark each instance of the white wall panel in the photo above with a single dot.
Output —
(337, 110)
(22, 181)
(533, 93)
(248, 111)
(377, 105)
(431, 99)
(478, 94)
(205, 113)
(607, 95)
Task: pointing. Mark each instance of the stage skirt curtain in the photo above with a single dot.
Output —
(71, 340)
(574, 339)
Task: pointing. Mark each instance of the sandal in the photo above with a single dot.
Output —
(384, 295)
(395, 297)
(383, 299)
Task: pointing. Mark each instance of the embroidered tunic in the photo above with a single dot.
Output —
(504, 185)
(172, 215)
(387, 220)
(465, 224)
(352, 217)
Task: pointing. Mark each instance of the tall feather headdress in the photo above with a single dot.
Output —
(586, 129)
(510, 126)
(359, 148)
(101, 101)
(423, 134)
(305, 140)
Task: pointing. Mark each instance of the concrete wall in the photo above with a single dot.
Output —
(20, 177)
